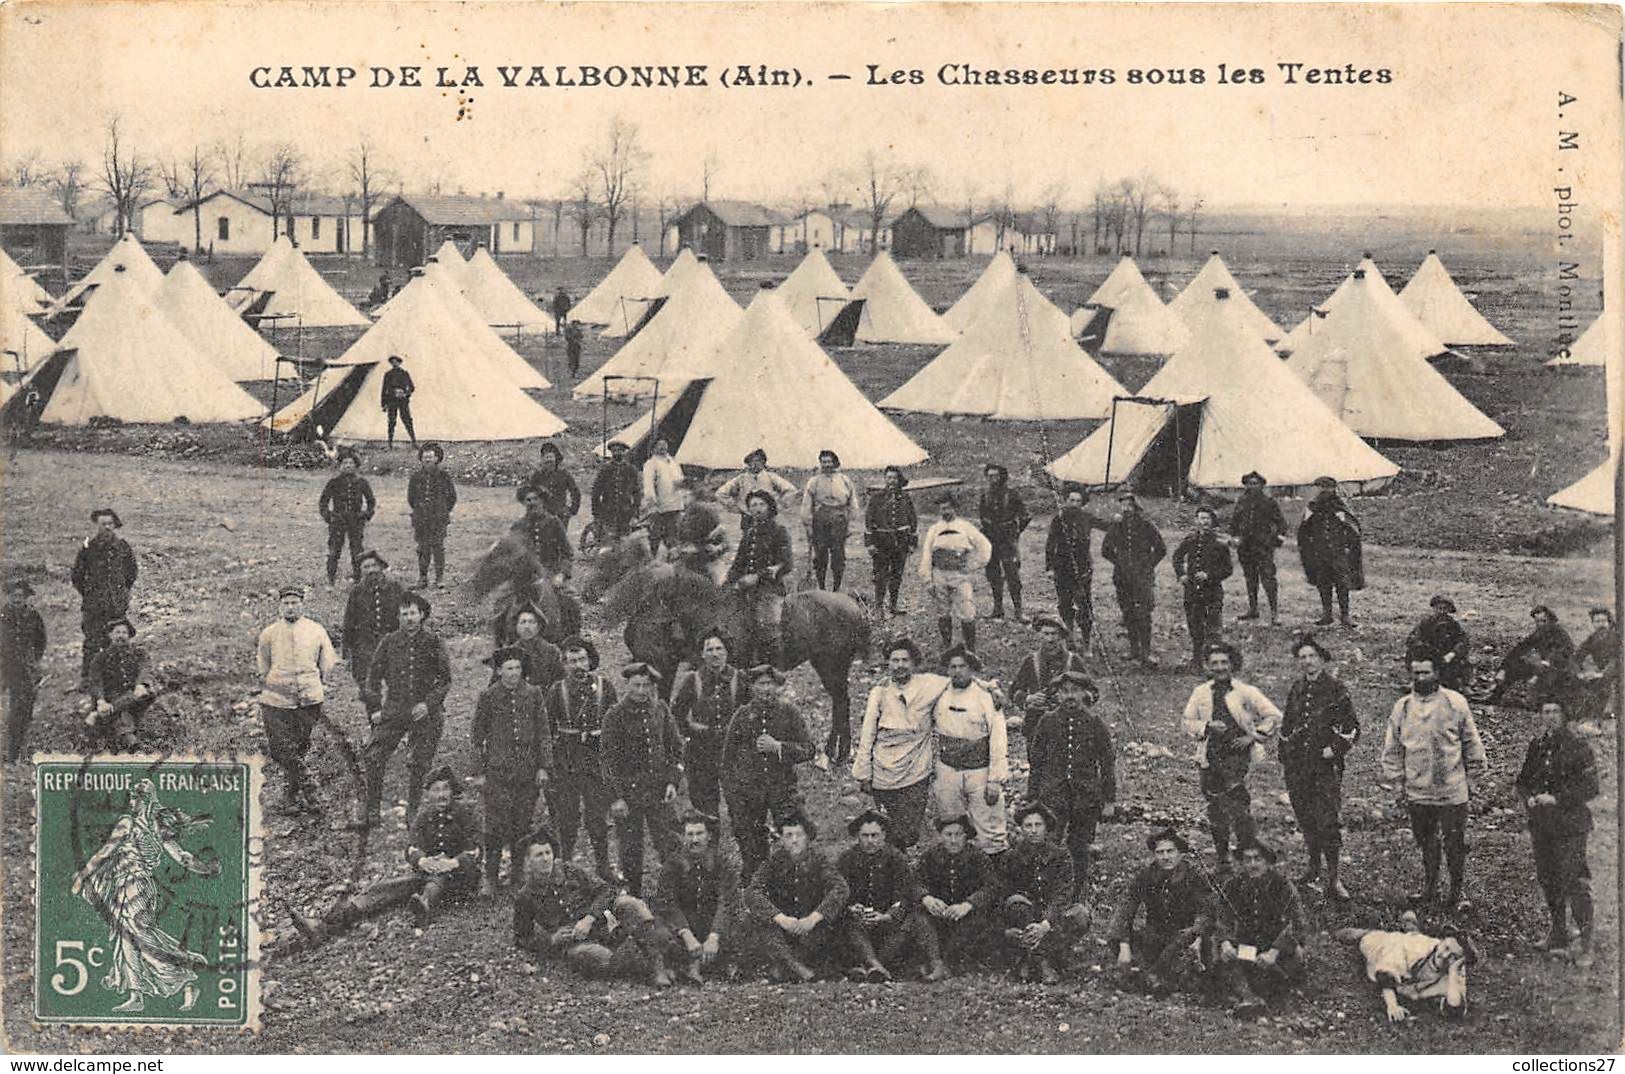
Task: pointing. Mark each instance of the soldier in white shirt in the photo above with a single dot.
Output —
(893, 760)
(972, 751)
(735, 492)
(294, 656)
(829, 503)
(663, 499)
(952, 553)
(1231, 720)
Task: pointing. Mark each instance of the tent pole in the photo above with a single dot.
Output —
(1111, 437)
(1179, 452)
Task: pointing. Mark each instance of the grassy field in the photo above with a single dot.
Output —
(217, 532)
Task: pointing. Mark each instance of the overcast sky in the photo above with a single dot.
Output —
(1470, 117)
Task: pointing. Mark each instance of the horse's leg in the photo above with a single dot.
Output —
(832, 672)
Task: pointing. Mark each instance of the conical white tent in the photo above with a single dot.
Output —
(807, 292)
(498, 299)
(629, 308)
(1362, 364)
(1418, 338)
(1140, 324)
(1439, 304)
(1592, 346)
(460, 393)
(438, 283)
(1226, 403)
(6, 391)
(1016, 362)
(696, 316)
(23, 341)
(211, 326)
(18, 290)
(893, 312)
(768, 385)
(127, 253)
(1191, 303)
(131, 363)
(634, 276)
(450, 256)
(1594, 493)
(299, 295)
(987, 289)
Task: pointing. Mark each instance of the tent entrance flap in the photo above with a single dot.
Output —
(1163, 469)
(654, 306)
(332, 406)
(842, 331)
(41, 383)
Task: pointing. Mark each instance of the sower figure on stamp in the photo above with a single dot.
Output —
(1003, 516)
(293, 656)
(406, 691)
(1178, 914)
(883, 920)
(1038, 669)
(372, 612)
(1558, 779)
(346, 506)
(1074, 769)
(120, 688)
(764, 741)
(513, 744)
(698, 893)
(643, 763)
(1258, 528)
(890, 531)
(1068, 556)
(1317, 732)
(1261, 931)
(1133, 547)
(959, 885)
(794, 900)
(1201, 564)
(703, 702)
(431, 494)
(104, 572)
(1231, 720)
(22, 646)
(442, 858)
(577, 791)
(396, 399)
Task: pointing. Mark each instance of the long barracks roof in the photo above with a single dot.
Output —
(941, 217)
(304, 203)
(455, 209)
(741, 213)
(30, 205)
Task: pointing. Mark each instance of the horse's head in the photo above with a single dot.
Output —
(509, 561)
(607, 564)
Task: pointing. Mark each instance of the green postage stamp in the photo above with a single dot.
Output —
(146, 890)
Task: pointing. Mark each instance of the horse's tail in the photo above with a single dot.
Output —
(863, 630)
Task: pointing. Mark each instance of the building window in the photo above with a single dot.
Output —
(315, 227)
(223, 229)
(516, 231)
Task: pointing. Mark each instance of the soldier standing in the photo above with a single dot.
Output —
(615, 493)
(104, 573)
(828, 504)
(372, 612)
(643, 762)
(346, 505)
(1004, 516)
(406, 696)
(431, 494)
(577, 791)
(890, 531)
(514, 747)
(703, 703)
(1201, 564)
(397, 399)
(22, 645)
(120, 687)
(764, 742)
(1134, 548)
(293, 656)
(1258, 528)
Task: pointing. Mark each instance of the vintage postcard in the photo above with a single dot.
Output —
(769, 528)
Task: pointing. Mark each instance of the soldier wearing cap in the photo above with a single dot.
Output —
(294, 655)
(1178, 915)
(371, 612)
(1068, 556)
(120, 687)
(1557, 780)
(543, 533)
(699, 889)
(1074, 768)
(1201, 564)
(615, 493)
(407, 683)
(1439, 632)
(577, 791)
(952, 552)
(1230, 720)
(560, 495)
(958, 887)
(1540, 659)
(1133, 547)
(22, 646)
(759, 569)
(1258, 529)
(972, 750)
(1029, 690)
(894, 758)
(431, 494)
(562, 910)
(513, 747)
(643, 763)
(1329, 544)
(396, 399)
(1319, 729)
(829, 503)
(1041, 914)
(756, 477)
(883, 919)
(764, 741)
(703, 702)
(104, 572)
(890, 532)
(544, 663)
(1003, 516)
(1261, 930)
(346, 505)
(794, 900)
(663, 488)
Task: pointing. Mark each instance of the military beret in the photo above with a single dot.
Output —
(291, 591)
(107, 512)
(1253, 477)
(617, 445)
(376, 556)
(577, 642)
(1073, 677)
(765, 671)
(417, 600)
(868, 816)
(640, 668)
(119, 622)
(1324, 482)
(960, 651)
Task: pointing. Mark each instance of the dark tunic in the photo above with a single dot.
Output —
(1003, 515)
(890, 522)
(545, 536)
(1329, 544)
(968, 876)
(117, 670)
(1036, 673)
(705, 700)
(616, 492)
(1174, 899)
(879, 881)
(1440, 634)
(445, 832)
(566, 896)
(1561, 764)
(397, 388)
(796, 886)
(643, 751)
(22, 641)
(1258, 525)
(510, 735)
(372, 611)
(749, 775)
(560, 495)
(1550, 642)
(1066, 549)
(431, 496)
(414, 668)
(1043, 873)
(1203, 551)
(1265, 913)
(346, 498)
(1133, 546)
(1318, 713)
(576, 712)
(764, 550)
(104, 572)
(698, 892)
(545, 665)
(1072, 758)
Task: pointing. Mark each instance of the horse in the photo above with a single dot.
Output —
(669, 607)
(511, 570)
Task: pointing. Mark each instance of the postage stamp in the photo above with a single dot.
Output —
(147, 881)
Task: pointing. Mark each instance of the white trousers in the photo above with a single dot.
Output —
(959, 790)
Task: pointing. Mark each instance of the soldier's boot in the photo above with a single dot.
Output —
(1015, 597)
(945, 627)
(425, 901)
(1334, 868)
(1272, 591)
(315, 931)
(969, 629)
(1557, 936)
(936, 970)
(634, 915)
(864, 948)
(692, 972)
(589, 959)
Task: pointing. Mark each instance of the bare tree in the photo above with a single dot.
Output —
(1005, 212)
(970, 194)
(583, 209)
(920, 184)
(125, 176)
(881, 182)
(1076, 220)
(1100, 213)
(1140, 194)
(280, 176)
(709, 169)
(616, 164)
(558, 205)
(666, 206)
(67, 183)
(235, 161)
(1191, 215)
(1122, 213)
(28, 169)
(172, 173)
(1169, 205)
(1049, 208)
(196, 174)
(370, 178)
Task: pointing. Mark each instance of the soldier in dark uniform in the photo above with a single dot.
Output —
(346, 505)
(1003, 517)
(1041, 915)
(763, 743)
(1201, 564)
(959, 885)
(1258, 528)
(643, 763)
(1558, 778)
(1440, 633)
(794, 900)
(1595, 667)
(371, 613)
(890, 532)
(1329, 544)
(431, 494)
(1038, 669)
(560, 495)
(104, 573)
(1318, 729)
(1068, 556)
(577, 791)
(1133, 547)
(1074, 768)
(396, 398)
(703, 703)
(22, 645)
(1178, 914)
(1540, 659)
(543, 533)
(883, 919)
(544, 662)
(406, 695)
(1261, 930)
(616, 492)
(513, 745)
(561, 308)
(120, 688)
(698, 893)
(759, 569)
(572, 348)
